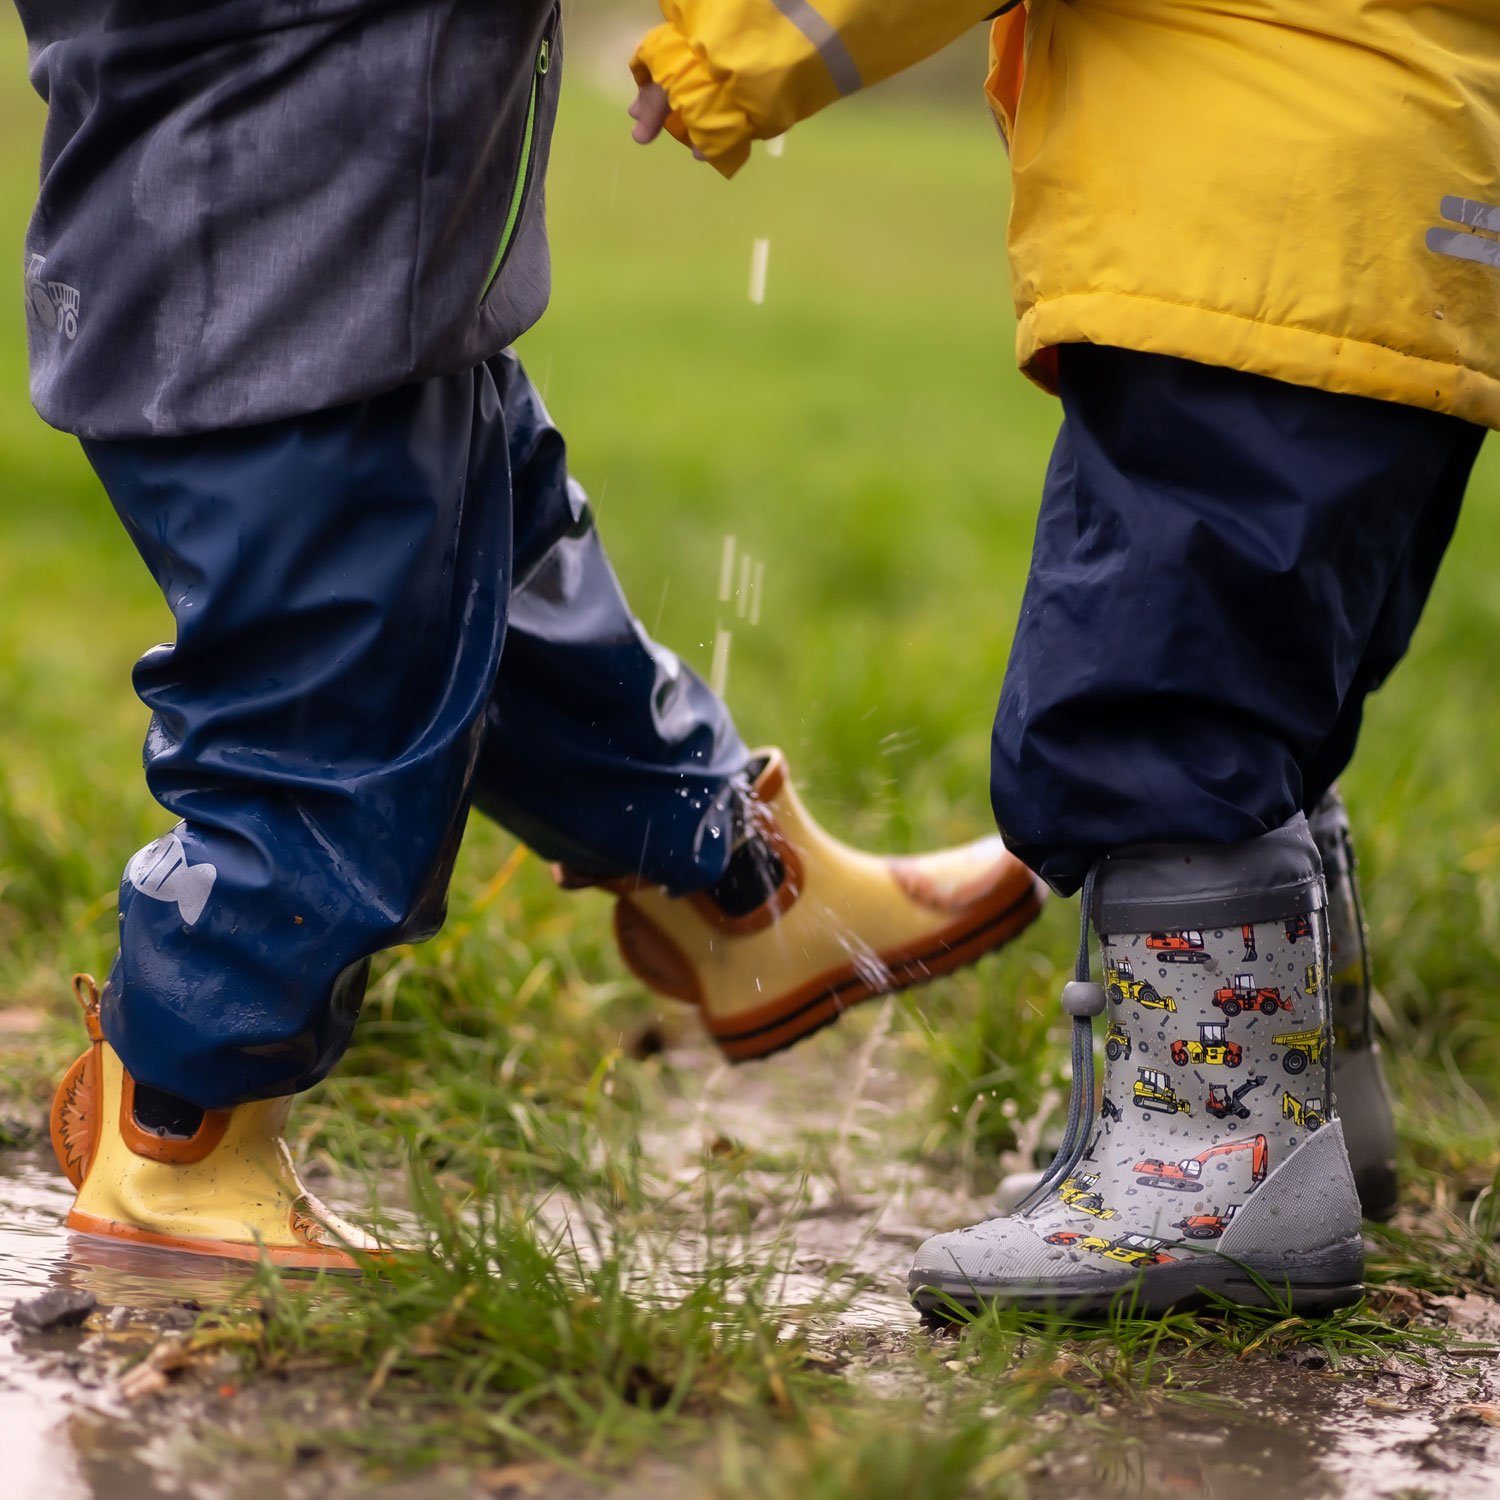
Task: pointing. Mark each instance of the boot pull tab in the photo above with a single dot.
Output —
(86, 992)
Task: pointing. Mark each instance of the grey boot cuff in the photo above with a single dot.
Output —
(1329, 822)
(1160, 887)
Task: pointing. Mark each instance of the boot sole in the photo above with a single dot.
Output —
(824, 1000)
(288, 1257)
(1322, 1282)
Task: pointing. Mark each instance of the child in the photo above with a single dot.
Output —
(280, 252)
(1255, 250)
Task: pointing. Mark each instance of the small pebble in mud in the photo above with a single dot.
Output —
(62, 1307)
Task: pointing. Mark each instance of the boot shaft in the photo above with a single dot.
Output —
(1218, 1044)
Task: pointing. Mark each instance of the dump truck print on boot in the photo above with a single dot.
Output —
(1223, 1161)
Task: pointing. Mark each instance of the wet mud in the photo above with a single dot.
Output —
(102, 1412)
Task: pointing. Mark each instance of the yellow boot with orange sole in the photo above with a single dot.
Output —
(807, 927)
(219, 1182)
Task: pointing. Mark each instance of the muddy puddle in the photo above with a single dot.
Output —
(1254, 1429)
(64, 1434)
(842, 1223)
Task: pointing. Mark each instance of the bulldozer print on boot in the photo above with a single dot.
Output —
(1278, 1203)
(1153, 1091)
(1123, 987)
(1207, 1226)
(150, 1170)
(803, 926)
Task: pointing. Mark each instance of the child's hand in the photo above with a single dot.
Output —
(650, 112)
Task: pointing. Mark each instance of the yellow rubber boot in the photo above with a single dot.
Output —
(229, 1190)
(840, 927)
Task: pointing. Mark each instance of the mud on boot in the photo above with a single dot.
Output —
(802, 926)
(1218, 1165)
(152, 1169)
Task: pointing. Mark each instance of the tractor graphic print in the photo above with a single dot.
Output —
(1308, 1113)
(53, 304)
(1242, 993)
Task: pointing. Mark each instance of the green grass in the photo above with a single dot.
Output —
(864, 435)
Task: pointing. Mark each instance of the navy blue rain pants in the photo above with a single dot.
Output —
(336, 698)
(1225, 567)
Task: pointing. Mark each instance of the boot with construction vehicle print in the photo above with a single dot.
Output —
(1206, 1191)
(1359, 1085)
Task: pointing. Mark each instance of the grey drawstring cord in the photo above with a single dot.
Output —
(1082, 999)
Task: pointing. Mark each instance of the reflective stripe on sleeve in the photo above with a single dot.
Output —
(826, 41)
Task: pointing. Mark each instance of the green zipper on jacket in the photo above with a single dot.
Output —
(523, 167)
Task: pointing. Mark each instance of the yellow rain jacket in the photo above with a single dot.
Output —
(1306, 189)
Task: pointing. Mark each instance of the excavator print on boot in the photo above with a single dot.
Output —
(1217, 1165)
(802, 927)
(151, 1169)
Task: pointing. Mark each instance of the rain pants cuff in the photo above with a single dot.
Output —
(720, 129)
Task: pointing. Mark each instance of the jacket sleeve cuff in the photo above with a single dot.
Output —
(703, 114)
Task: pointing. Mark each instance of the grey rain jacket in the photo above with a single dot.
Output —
(253, 209)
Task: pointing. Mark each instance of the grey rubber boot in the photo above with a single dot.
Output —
(1216, 1163)
(1359, 1090)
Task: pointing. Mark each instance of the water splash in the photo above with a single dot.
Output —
(760, 262)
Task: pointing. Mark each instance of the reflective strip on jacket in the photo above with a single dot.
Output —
(1307, 189)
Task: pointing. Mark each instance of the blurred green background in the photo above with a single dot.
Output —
(864, 435)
